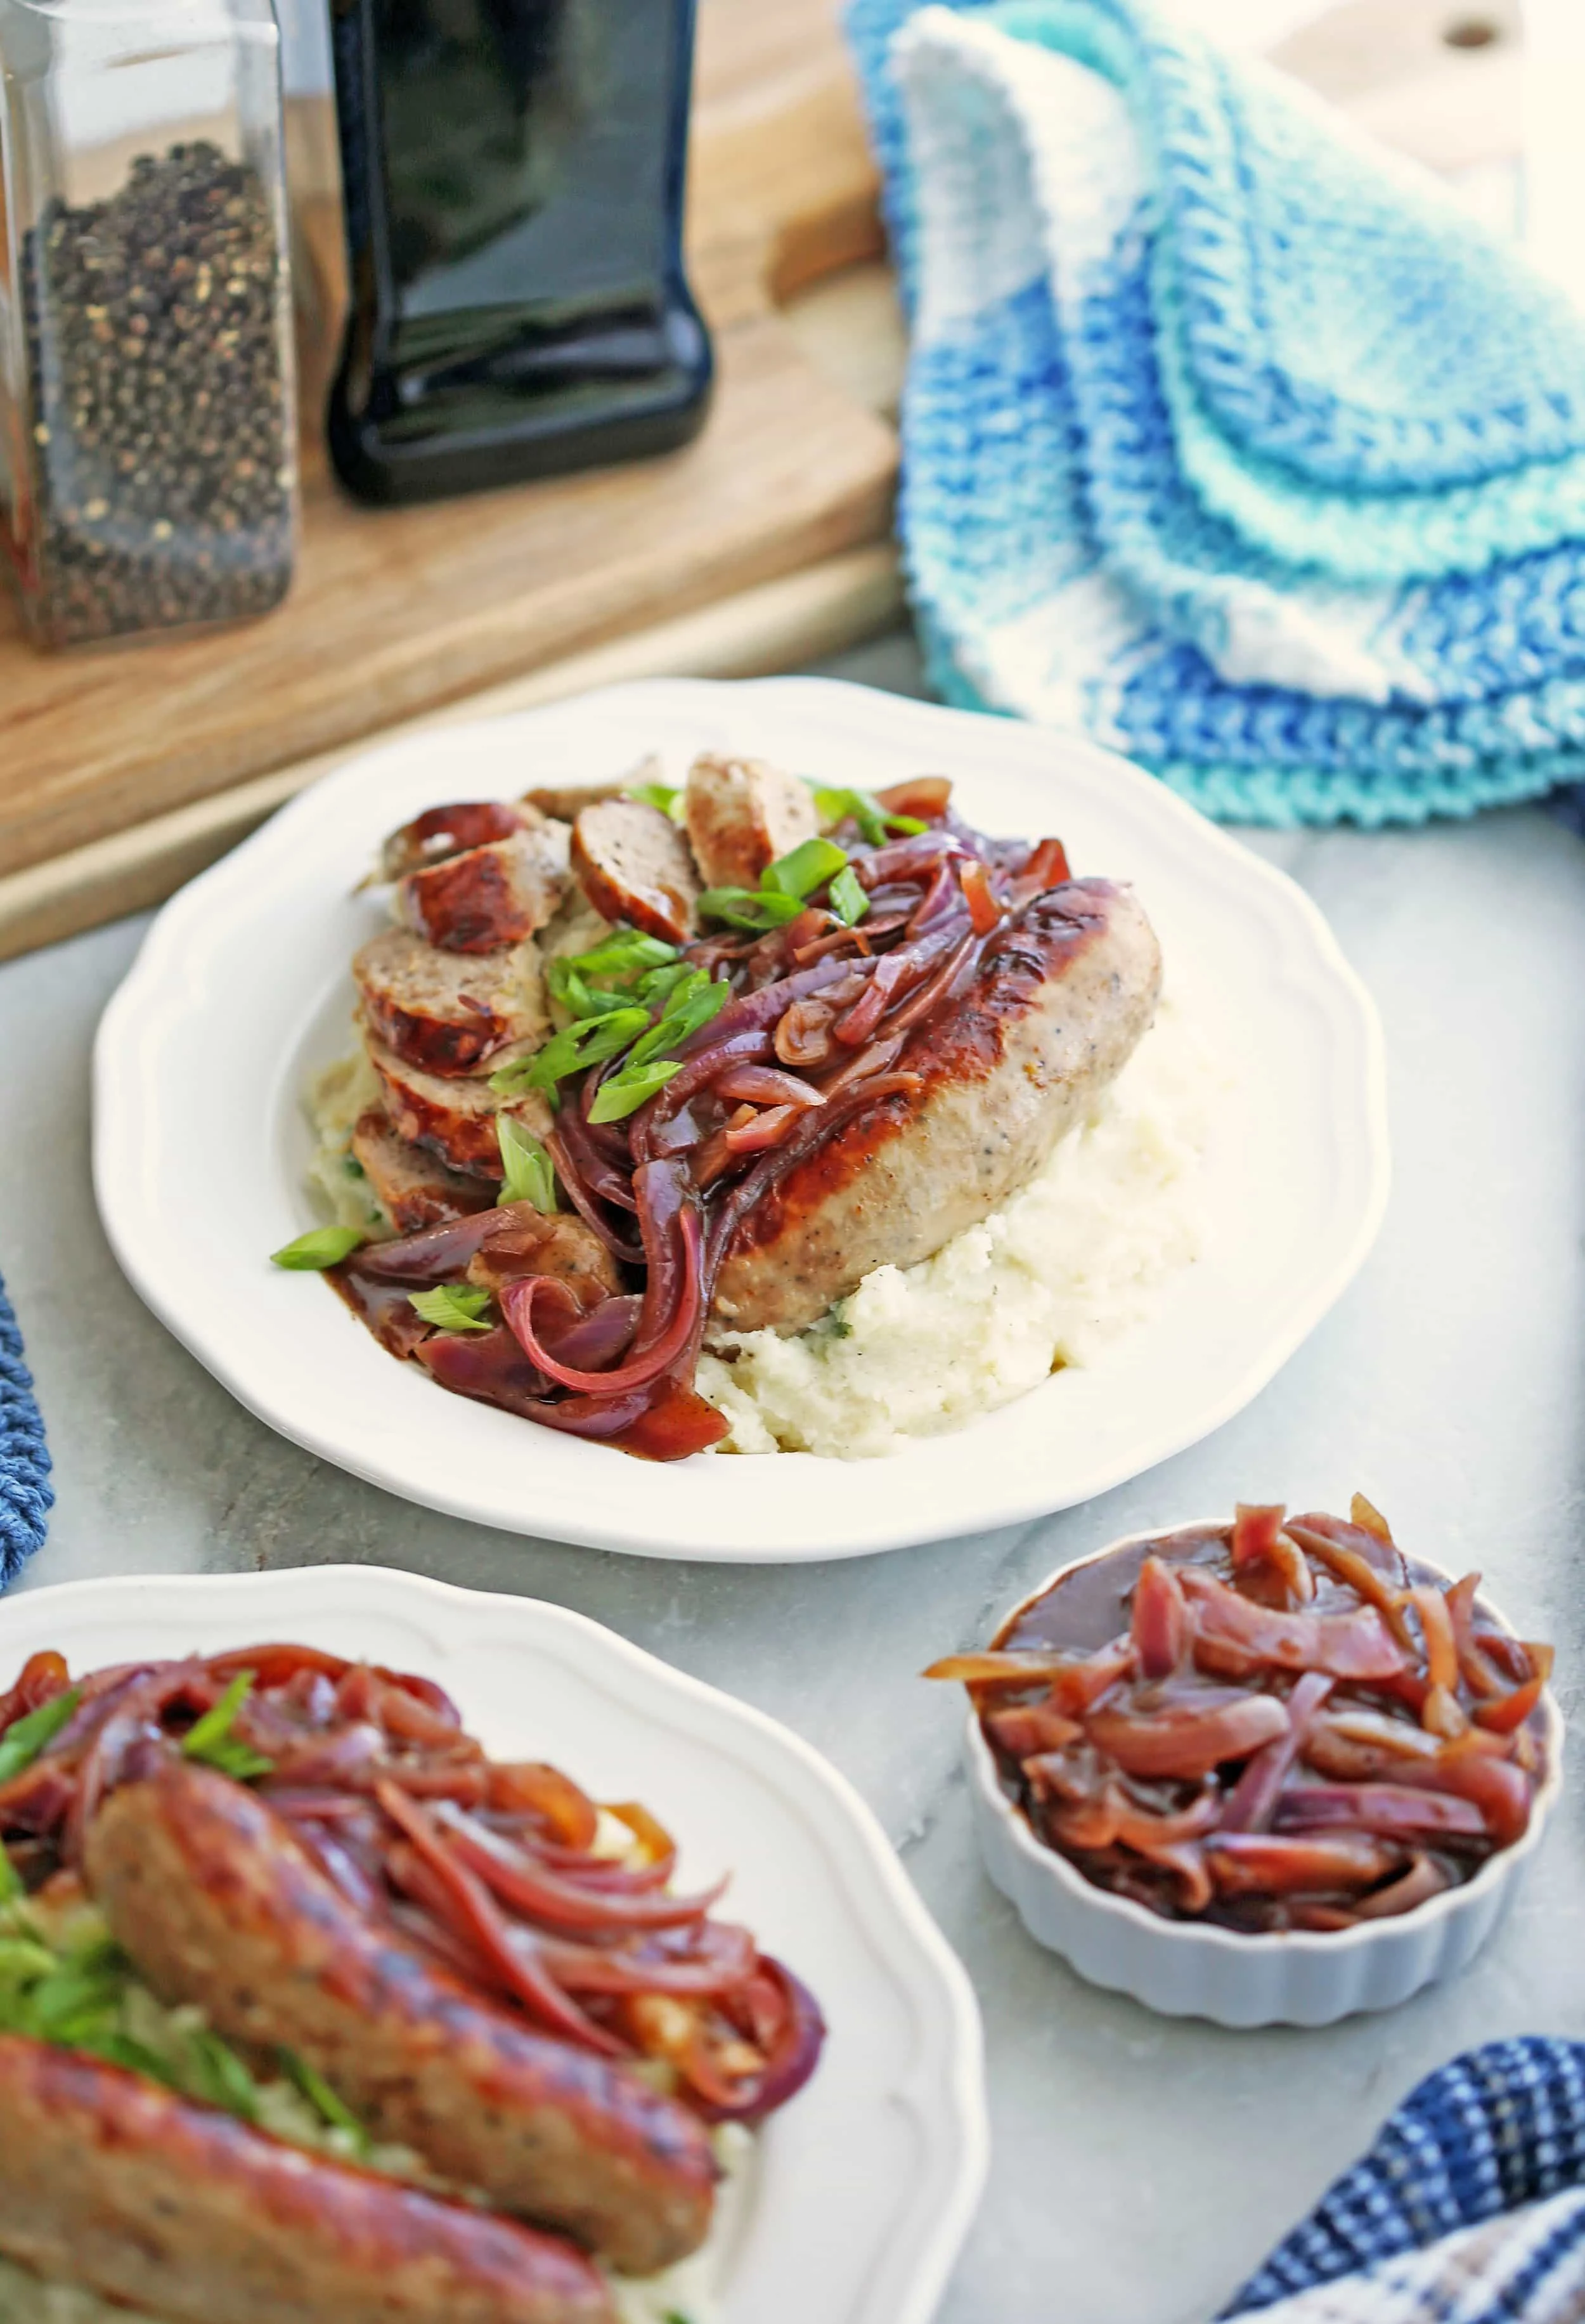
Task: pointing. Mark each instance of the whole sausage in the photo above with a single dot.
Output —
(217, 1905)
(115, 2182)
(1060, 1000)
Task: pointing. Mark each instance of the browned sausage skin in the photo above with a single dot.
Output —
(217, 1905)
(1055, 1009)
(112, 2181)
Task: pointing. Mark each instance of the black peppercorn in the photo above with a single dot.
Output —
(162, 465)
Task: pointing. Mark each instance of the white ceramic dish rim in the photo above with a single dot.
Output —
(1202, 1935)
(920, 1502)
(936, 1973)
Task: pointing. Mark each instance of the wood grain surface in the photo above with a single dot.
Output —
(759, 547)
(394, 612)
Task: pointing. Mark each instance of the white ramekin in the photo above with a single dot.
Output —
(1185, 1970)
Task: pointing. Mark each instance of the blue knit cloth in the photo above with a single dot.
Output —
(1227, 436)
(25, 1493)
(1470, 2205)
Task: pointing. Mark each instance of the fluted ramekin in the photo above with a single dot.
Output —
(1186, 1968)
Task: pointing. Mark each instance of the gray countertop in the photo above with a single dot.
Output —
(1141, 2166)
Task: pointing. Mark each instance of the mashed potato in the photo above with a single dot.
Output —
(333, 1101)
(1079, 1255)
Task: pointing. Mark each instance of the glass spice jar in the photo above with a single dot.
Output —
(147, 422)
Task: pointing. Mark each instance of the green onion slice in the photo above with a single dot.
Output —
(210, 1739)
(322, 2097)
(530, 1174)
(320, 1247)
(660, 795)
(806, 868)
(875, 824)
(588, 1042)
(624, 1094)
(624, 952)
(748, 908)
(25, 1737)
(452, 1306)
(846, 898)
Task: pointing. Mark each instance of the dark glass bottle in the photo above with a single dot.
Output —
(514, 185)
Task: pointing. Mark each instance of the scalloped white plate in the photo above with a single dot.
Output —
(862, 2191)
(243, 984)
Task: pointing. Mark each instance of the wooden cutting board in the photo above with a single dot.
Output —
(764, 546)
(395, 612)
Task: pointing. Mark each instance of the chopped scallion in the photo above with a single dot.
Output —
(320, 1247)
(210, 1739)
(26, 1737)
(530, 1173)
(322, 2097)
(660, 795)
(846, 898)
(452, 1306)
(588, 1042)
(805, 869)
(624, 1094)
(748, 908)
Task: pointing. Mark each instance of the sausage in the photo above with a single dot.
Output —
(454, 1116)
(1060, 998)
(740, 815)
(413, 1186)
(525, 1243)
(115, 2182)
(218, 1904)
(634, 866)
(489, 896)
(443, 831)
(449, 1012)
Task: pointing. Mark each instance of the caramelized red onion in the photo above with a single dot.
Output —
(490, 1868)
(1291, 1726)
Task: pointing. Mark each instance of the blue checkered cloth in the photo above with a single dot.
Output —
(1469, 2208)
(25, 1493)
(1228, 437)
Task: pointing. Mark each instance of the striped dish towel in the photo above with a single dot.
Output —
(25, 1493)
(1228, 437)
(1469, 2208)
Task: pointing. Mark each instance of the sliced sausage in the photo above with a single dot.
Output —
(217, 1905)
(115, 2183)
(450, 1012)
(742, 815)
(634, 866)
(413, 1186)
(526, 1243)
(455, 1118)
(1060, 998)
(493, 895)
(443, 831)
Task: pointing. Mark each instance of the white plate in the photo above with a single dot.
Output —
(863, 2189)
(243, 984)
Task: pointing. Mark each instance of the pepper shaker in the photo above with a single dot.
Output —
(147, 425)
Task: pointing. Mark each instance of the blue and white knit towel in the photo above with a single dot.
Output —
(1228, 437)
(25, 1493)
(1469, 2208)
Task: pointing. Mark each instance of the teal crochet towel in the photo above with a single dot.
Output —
(1228, 437)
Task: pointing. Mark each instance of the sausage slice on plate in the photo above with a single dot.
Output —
(635, 865)
(218, 1904)
(742, 815)
(115, 2183)
(413, 1186)
(493, 895)
(1054, 1010)
(455, 1118)
(449, 1012)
